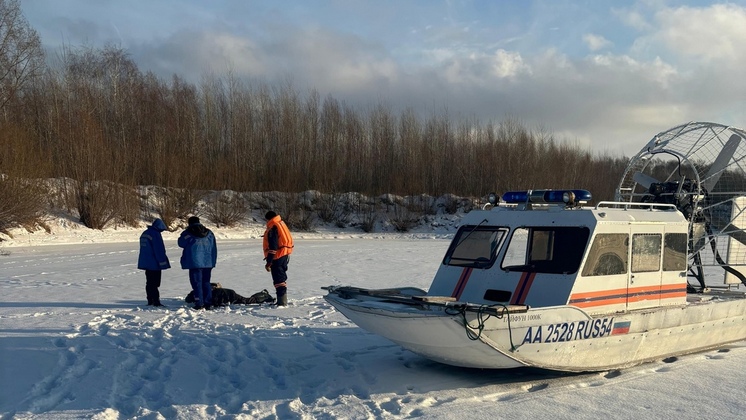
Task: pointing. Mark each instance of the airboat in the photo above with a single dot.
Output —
(542, 278)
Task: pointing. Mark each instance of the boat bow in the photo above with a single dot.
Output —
(438, 328)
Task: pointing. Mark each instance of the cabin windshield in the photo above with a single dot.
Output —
(546, 249)
(475, 246)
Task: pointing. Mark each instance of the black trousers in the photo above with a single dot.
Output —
(279, 275)
(152, 283)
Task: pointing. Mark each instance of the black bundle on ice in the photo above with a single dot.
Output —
(223, 296)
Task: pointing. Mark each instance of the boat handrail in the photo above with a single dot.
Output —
(627, 205)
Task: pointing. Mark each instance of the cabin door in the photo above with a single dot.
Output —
(644, 285)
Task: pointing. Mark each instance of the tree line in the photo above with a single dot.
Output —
(92, 117)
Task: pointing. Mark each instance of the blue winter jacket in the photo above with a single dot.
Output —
(200, 249)
(152, 250)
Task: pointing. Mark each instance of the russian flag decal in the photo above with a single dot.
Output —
(621, 327)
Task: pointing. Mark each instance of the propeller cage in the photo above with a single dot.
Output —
(699, 167)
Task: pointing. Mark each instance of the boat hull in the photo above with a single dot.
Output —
(430, 333)
(562, 338)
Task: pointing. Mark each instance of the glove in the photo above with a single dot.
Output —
(268, 267)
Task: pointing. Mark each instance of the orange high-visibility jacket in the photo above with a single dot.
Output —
(284, 239)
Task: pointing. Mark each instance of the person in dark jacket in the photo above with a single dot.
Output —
(199, 256)
(153, 260)
(222, 296)
(278, 245)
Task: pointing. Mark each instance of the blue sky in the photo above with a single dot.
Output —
(604, 75)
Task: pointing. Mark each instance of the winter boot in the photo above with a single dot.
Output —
(282, 300)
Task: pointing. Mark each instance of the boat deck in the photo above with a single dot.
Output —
(711, 294)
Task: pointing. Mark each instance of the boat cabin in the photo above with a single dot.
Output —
(544, 248)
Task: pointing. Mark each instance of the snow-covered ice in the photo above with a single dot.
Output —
(77, 341)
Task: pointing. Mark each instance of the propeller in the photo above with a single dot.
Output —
(735, 233)
(644, 180)
(721, 162)
(713, 175)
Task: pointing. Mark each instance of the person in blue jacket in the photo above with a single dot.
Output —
(199, 256)
(153, 260)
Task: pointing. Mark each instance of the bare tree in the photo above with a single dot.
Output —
(26, 206)
(177, 203)
(226, 208)
(21, 56)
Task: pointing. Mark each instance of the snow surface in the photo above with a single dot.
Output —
(77, 341)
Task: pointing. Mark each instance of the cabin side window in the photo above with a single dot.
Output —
(546, 249)
(608, 255)
(475, 247)
(646, 252)
(674, 252)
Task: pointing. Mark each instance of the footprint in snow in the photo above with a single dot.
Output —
(612, 374)
(719, 355)
(535, 387)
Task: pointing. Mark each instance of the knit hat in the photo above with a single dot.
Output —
(193, 220)
(270, 215)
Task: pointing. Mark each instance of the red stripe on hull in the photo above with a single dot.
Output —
(521, 291)
(461, 285)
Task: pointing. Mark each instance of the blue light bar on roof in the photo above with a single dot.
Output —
(547, 196)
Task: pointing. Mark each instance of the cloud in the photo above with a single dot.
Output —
(656, 72)
(712, 34)
(632, 18)
(479, 69)
(191, 55)
(580, 98)
(704, 46)
(508, 64)
(340, 62)
(596, 42)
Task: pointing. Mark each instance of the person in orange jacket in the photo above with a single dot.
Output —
(278, 245)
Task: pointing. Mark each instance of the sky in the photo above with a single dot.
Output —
(77, 341)
(603, 75)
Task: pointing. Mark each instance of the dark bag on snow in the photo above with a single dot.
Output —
(261, 297)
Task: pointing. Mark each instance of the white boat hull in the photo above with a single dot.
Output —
(562, 338)
(430, 333)
(543, 281)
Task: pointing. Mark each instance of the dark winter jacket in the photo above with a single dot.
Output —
(200, 249)
(221, 296)
(152, 250)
